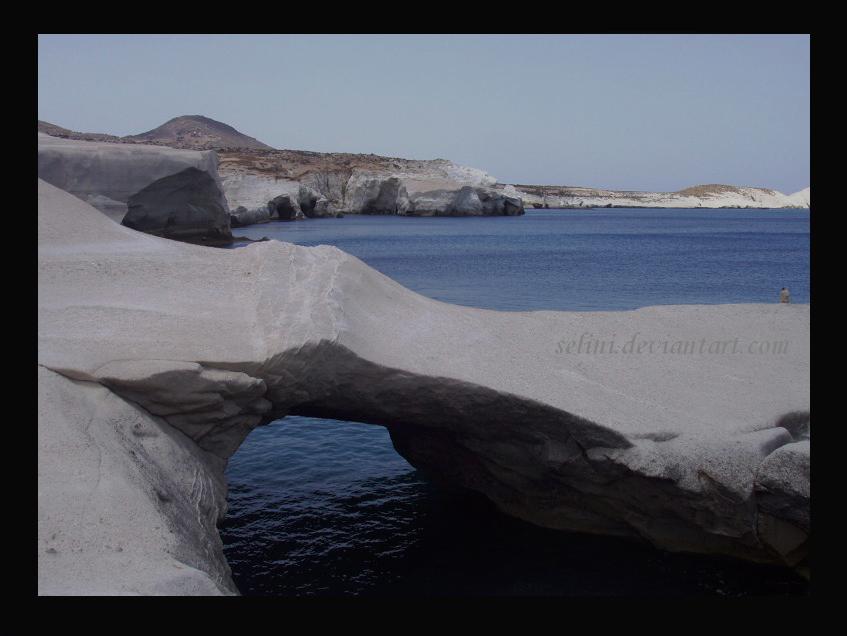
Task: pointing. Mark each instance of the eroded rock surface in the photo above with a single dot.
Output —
(126, 503)
(691, 452)
(783, 493)
(333, 184)
(284, 207)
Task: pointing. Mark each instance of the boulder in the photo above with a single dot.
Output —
(186, 206)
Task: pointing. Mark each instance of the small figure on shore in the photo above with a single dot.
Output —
(784, 297)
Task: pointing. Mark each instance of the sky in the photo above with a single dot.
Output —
(630, 112)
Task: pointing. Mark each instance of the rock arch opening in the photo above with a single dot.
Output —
(534, 461)
(327, 507)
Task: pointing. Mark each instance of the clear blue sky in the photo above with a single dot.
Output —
(645, 112)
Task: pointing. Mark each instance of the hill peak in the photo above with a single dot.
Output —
(198, 132)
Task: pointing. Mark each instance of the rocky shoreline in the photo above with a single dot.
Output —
(262, 184)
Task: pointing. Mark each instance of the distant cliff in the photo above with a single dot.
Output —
(325, 184)
(702, 196)
(316, 184)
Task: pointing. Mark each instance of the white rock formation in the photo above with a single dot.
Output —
(127, 504)
(698, 197)
(157, 358)
(108, 174)
(803, 198)
(431, 187)
(253, 191)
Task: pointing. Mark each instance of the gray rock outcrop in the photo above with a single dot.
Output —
(106, 175)
(283, 208)
(313, 205)
(307, 198)
(467, 201)
(186, 206)
(241, 216)
(783, 492)
(380, 196)
(149, 380)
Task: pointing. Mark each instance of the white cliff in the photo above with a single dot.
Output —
(252, 191)
(803, 198)
(363, 184)
(157, 358)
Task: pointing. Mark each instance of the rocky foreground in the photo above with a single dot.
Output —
(156, 358)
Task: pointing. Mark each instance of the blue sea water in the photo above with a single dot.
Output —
(323, 507)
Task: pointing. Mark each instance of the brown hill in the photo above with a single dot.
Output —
(196, 132)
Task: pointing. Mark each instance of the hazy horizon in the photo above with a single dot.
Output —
(620, 112)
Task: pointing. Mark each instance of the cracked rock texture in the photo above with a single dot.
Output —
(697, 452)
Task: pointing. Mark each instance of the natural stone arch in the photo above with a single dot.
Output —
(211, 343)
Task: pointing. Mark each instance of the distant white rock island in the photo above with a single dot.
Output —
(701, 196)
